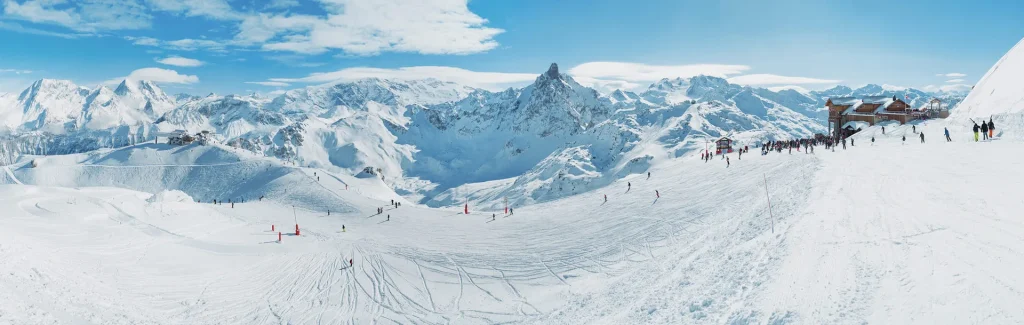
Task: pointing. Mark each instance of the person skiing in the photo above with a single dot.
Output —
(872, 140)
(976, 128)
(628, 186)
(883, 130)
(648, 175)
(389, 217)
(349, 262)
(914, 127)
(727, 162)
(342, 228)
(904, 139)
(922, 137)
(493, 216)
(991, 128)
(606, 197)
(844, 143)
(656, 194)
(984, 131)
(851, 142)
(946, 131)
(510, 211)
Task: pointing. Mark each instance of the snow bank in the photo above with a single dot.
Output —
(170, 196)
(999, 95)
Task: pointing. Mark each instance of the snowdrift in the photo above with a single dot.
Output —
(999, 95)
(204, 173)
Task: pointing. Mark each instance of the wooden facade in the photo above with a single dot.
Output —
(723, 145)
(872, 110)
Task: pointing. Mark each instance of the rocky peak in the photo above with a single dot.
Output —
(552, 71)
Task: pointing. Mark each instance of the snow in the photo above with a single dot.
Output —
(999, 94)
(430, 136)
(883, 233)
(170, 196)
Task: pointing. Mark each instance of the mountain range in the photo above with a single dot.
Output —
(436, 142)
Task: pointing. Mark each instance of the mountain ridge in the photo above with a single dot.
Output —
(431, 137)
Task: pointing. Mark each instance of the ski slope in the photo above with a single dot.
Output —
(885, 233)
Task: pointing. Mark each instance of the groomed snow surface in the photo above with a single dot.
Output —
(888, 233)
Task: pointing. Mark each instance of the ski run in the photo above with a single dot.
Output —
(883, 232)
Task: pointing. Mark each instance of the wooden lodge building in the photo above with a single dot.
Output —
(846, 113)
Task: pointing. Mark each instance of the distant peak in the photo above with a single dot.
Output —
(553, 70)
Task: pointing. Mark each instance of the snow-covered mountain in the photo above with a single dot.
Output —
(61, 107)
(437, 141)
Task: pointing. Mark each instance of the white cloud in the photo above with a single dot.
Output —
(214, 9)
(955, 81)
(156, 75)
(276, 93)
(269, 83)
(294, 60)
(951, 75)
(282, 4)
(607, 86)
(485, 80)
(649, 73)
(81, 15)
(15, 27)
(771, 79)
(186, 44)
(260, 28)
(366, 27)
(15, 71)
(948, 88)
(798, 89)
(180, 61)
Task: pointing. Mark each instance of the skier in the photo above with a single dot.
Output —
(648, 175)
(976, 128)
(493, 216)
(904, 139)
(851, 142)
(702, 155)
(656, 194)
(349, 262)
(844, 143)
(606, 197)
(628, 186)
(342, 228)
(946, 130)
(510, 211)
(389, 218)
(727, 162)
(740, 157)
(915, 128)
(872, 140)
(883, 130)
(991, 128)
(984, 130)
(922, 137)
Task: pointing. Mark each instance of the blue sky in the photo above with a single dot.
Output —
(267, 46)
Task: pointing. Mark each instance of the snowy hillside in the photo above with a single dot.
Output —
(1000, 91)
(708, 250)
